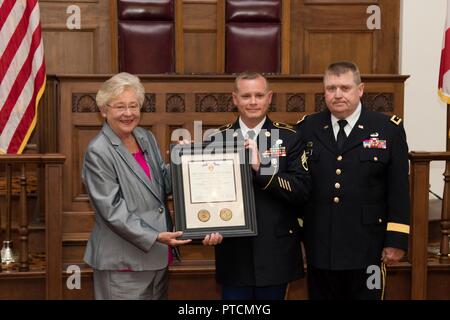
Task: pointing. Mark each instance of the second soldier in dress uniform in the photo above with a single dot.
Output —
(357, 218)
(261, 267)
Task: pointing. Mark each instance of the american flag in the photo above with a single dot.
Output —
(22, 72)
(444, 71)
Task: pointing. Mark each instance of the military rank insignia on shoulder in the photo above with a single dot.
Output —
(302, 119)
(285, 126)
(224, 127)
(220, 129)
(396, 119)
(304, 160)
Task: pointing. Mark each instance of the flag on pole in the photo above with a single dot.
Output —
(22, 72)
(444, 71)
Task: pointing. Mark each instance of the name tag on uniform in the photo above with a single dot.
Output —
(374, 143)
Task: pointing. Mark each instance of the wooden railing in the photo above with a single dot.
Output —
(420, 176)
(51, 166)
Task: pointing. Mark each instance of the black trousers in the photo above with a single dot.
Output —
(360, 284)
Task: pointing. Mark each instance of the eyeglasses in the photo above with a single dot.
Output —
(121, 108)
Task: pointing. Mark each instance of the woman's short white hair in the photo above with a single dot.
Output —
(113, 87)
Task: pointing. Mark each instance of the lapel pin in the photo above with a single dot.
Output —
(360, 126)
(325, 127)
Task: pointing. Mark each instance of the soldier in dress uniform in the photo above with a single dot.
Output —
(357, 218)
(261, 267)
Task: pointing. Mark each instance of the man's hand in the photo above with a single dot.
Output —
(254, 154)
(391, 256)
(169, 238)
(212, 239)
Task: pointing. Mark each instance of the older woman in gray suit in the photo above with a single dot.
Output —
(127, 182)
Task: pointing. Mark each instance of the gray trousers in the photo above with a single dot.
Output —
(135, 285)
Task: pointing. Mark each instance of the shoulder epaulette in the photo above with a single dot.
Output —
(302, 119)
(396, 119)
(286, 126)
(219, 130)
(223, 128)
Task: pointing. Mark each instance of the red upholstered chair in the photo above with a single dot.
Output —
(146, 36)
(253, 36)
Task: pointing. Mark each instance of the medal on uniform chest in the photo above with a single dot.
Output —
(374, 142)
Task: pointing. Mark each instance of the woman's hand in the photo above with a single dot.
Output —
(212, 239)
(170, 238)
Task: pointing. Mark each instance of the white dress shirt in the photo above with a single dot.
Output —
(351, 121)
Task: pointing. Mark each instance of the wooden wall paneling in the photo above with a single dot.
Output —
(387, 39)
(323, 47)
(22, 287)
(114, 36)
(285, 36)
(314, 32)
(179, 37)
(87, 50)
(200, 51)
(53, 220)
(75, 222)
(220, 47)
(200, 40)
(325, 31)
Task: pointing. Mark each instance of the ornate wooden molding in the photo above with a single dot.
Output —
(221, 102)
(214, 102)
(295, 102)
(175, 102)
(375, 101)
(149, 104)
(85, 102)
(381, 102)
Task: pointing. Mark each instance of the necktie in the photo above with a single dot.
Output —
(341, 136)
(250, 134)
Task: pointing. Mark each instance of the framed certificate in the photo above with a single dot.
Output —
(212, 190)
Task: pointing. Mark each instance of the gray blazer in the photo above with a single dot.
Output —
(129, 208)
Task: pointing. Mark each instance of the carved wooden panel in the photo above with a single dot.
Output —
(149, 104)
(175, 102)
(295, 102)
(375, 101)
(214, 102)
(85, 102)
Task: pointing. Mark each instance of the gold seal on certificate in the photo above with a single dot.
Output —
(226, 214)
(203, 215)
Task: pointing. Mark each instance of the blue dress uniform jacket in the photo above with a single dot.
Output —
(274, 256)
(359, 200)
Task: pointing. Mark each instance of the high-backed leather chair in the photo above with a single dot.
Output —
(253, 36)
(146, 36)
